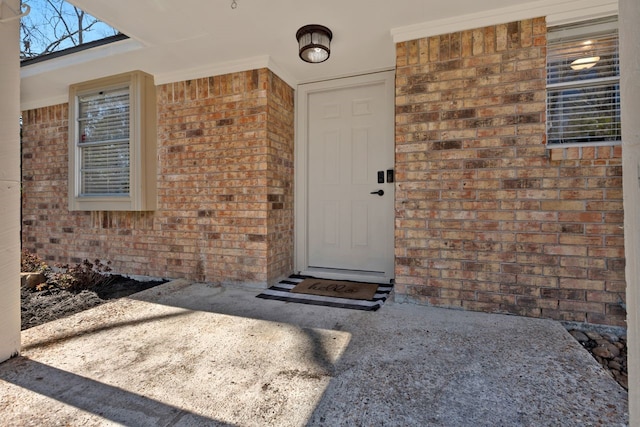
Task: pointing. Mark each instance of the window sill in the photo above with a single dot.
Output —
(110, 204)
(552, 146)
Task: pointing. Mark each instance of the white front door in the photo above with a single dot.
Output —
(345, 148)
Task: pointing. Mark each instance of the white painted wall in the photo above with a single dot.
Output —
(9, 183)
(630, 89)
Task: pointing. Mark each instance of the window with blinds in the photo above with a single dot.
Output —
(583, 90)
(113, 144)
(103, 126)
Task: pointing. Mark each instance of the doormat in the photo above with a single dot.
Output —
(336, 288)
(283, 292)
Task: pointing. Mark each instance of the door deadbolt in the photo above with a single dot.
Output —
(379, 192)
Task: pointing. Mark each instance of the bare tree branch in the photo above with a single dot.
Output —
(55, 25)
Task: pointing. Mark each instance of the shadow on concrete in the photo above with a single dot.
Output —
(79, 331)
(106, 401)
(315, 350)
(242, 302)
(314, 346)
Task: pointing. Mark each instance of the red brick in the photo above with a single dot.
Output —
(605, 297)
(567, 316)
(577, 306)
(565, 250)
(590, 285)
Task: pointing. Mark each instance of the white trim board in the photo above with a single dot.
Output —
(79, 58)
(557, 12)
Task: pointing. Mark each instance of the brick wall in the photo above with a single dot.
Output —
(280, 220)
(224, 213)
(487, 218)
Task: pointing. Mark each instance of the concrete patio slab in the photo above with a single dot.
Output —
(185, 354)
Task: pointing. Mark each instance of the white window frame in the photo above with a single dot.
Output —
(142, 145)
(579, 33)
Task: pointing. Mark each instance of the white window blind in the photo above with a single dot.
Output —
(583, 90)
(103, 140)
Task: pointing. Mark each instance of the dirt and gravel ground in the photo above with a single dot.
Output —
(43, 306)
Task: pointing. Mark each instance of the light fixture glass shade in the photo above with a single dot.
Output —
(584, 63)
(314, 43)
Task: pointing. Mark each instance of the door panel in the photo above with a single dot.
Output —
(350, 139)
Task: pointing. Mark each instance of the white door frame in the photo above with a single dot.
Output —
(301, 256)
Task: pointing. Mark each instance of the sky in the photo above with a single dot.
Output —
(43, 26)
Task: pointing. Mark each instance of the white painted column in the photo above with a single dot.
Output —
(629, 17)
(9, 183)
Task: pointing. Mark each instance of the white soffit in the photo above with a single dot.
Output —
(557, 12)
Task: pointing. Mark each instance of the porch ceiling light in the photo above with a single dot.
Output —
(314, 43)
(588, 58)
(584, 63)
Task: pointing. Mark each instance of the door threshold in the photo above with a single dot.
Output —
(354, 275)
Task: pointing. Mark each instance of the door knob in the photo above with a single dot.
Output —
(379, 192)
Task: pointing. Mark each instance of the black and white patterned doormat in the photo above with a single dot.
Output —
(282, 292)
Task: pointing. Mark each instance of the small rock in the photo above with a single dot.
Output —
(615, 351)
(31, 280)
(602, 352)
(615, 366)
(623, 380)
(610, 337)
(579, 336)
(619, 345)
(593, 335)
